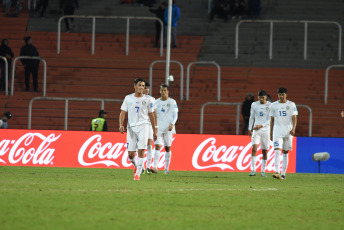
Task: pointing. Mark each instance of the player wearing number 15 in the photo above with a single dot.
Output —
(140, 110)
(282, 125)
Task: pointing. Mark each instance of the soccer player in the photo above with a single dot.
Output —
(283, 124)
(260, 124)
(150, 133)
(167, 112)
(140, 112)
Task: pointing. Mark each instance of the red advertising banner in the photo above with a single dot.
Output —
(192, 152)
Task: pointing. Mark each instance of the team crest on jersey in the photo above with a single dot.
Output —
(287, 107)
(267, 108)
(143, 103)
(168, 105)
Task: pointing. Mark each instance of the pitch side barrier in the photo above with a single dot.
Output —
(67, 99)
(6, 74)
(289, 21)
(238, 104)
(326, 79)
(93, 17)
(44, 72)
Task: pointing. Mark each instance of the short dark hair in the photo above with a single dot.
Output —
(261, 93)
(165, 86)
(137, 80)
(147, 83)
(282, 90)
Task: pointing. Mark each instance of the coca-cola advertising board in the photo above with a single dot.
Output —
(193, 152)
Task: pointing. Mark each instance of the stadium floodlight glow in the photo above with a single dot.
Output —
(322, 156)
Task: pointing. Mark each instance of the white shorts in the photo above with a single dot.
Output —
(164, 139)
(137, 137)
(150, 132)
(261, 137)
(284, 143)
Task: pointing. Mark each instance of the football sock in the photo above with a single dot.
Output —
(156, 158)
(277, 160)
(167, 160)
(263, 165)
(139, 165)
(253, 162)
(149, 156)
(133, 161)
(284, 163)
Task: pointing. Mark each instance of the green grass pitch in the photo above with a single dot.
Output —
(70, 198)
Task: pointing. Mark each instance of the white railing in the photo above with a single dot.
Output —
(288, 21)
(218, 77)
(6, 74)
(238, 104)
(326, 79)
(181, 75)
(128, 18)
(67, 99)
(44, 72)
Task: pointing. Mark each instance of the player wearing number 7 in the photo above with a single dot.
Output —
(283, 122)
(140, 110)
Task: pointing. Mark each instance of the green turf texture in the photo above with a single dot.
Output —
(69, 198)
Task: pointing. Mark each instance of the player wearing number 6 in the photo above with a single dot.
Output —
(140, 110)
(260, 124)
(282, 125)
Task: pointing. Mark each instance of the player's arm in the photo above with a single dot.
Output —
(154, 124)
(251, 122)
(121, 121)
(271, 127)
(175, 117)
(292, 131)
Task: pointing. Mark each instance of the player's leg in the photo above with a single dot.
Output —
(167, 142)
(255, 144)
(149, 149)
(131, 147)
(265, 145)
(141, 146)
(278, 148)
(158, 144)
(287, 145)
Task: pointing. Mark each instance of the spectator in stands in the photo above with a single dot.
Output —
(159, 13)
(237, 9)
(174, 20)
(220, 8)
(6, 52)
(99, 124)
(245, 111)
(69, 7)
(16, 4)
(254, 7)
(5, 118)
(31, 66)
(148, 3)
(44, 5)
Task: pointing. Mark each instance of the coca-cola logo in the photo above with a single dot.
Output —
(19, 151)
(208, 155)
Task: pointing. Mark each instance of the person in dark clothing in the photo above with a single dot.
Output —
(31, 66)
(237, 8)
(69, 7)
(99, 123)
(245, 111)
(159, 13)
(5, 118)
(44, 5)
(6, 52)
(220, 8)
(254, 8)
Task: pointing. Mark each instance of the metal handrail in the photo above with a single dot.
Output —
(67, 99)
(181, 75)
(108, 17)
(6, 74)
(218, 77)
(44, 72)
(326, 79)
(238, 115)
(238, 104)
(310, 118)
(289, 21)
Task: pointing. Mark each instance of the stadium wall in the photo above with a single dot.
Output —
(227, 153)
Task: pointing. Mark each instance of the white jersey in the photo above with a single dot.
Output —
(260, 115)
(283, 117)
(137, 109)
(167, 113)
(153, 102)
